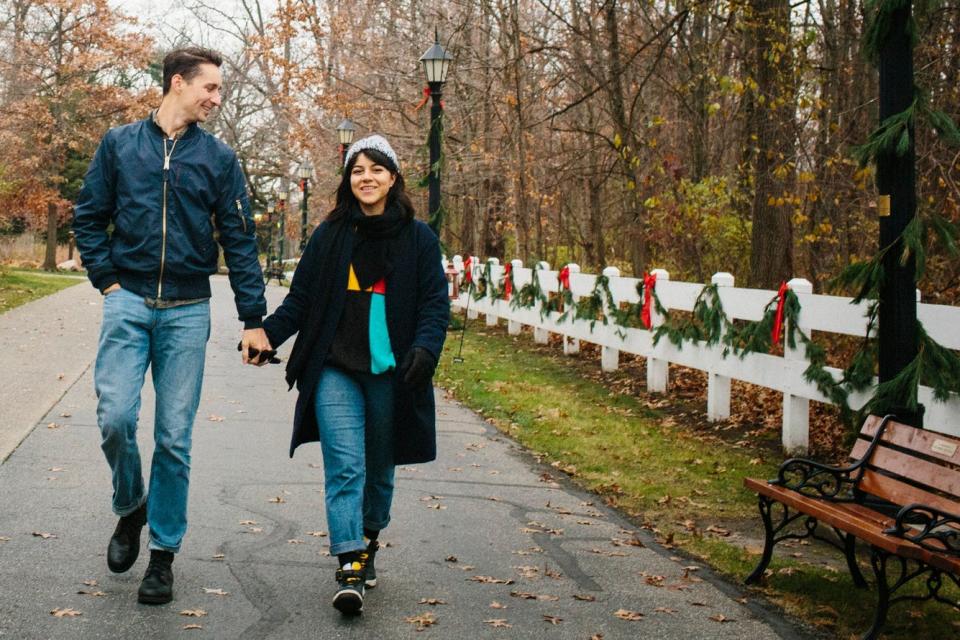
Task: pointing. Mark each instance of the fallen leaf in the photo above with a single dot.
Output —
(60, 376)
(527, 571)
(664, 610)
(254, 530)
(90, 583)
(248, 522)
(277, 500)
(451, 559)
(720, 531)
(596, 636)
(294, 541)
(523, 595)
(317, 534)
(193, 613)
(721, 618)
(44, 535)
(65, 414)
(552, 619)
(632, 616)
(218, 556)
(432, 601)
(664, 500)
(215, 592)
(96, 594)
(499, 623)
(497, 605)
(698, 604)
(53, 425)
(4, 539)
(55, 469)
(490, 580)
(188, 627)
(215, 418)
(586, 598)
(65, 613)
(423, 620)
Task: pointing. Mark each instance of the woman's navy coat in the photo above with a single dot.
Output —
(418, 312)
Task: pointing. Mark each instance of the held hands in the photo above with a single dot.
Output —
(417, 367)
(255, 348)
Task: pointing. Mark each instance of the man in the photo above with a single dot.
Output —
(163, 183)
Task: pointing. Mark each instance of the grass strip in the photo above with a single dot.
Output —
(18, 287)
(684, 486)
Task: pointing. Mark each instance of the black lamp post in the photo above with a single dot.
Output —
(345, 131)
(306, 171)
(282, 223)
(436, 63)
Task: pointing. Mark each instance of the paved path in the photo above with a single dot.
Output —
(482, 514)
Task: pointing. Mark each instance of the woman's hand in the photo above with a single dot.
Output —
(418, 366)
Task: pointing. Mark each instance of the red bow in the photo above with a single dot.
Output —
(649, 283)
(507, 280)
(426, 96)
(467, 271)
(778, 319)
(564, 278)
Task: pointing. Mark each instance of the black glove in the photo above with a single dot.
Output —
(418, 366)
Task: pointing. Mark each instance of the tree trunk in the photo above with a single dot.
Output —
(50, 260)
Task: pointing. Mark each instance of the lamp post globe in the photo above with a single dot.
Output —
(345, 131)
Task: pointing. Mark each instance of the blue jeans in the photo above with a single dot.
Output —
(172, 342)
(355, 416)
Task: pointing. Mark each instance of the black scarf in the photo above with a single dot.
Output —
(375, 244)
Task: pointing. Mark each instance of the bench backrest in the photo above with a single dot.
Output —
(910, 465)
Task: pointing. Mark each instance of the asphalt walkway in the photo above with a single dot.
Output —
(484, 542)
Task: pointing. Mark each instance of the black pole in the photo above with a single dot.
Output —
(897, 206)
(433, 181)
(303, 214)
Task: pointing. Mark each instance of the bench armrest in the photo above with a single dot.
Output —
(928, 527)
(818, 480)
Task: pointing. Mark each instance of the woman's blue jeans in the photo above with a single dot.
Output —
(172, 342)
(355, 416)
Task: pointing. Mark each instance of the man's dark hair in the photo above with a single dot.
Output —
(186, 63)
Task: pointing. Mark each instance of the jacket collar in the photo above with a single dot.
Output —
(153, 125)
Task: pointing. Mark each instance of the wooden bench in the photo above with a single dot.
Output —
(900, 494)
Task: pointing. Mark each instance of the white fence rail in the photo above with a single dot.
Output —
(818, 313)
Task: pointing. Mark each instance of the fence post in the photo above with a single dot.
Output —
(796, 410)
(658, 371)
(718, 387)
(514, 327)
(610, 356)
(571, 346)
(541, 336)
(472, 313)
(492, 316)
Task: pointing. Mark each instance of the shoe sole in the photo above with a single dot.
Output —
(348, 602)
(371, 583)
(142, 599)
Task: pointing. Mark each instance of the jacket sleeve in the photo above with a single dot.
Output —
(433, 305)
(289, 317)
(238, 237)
(92, 214)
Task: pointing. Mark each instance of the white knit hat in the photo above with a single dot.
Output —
(376, 142)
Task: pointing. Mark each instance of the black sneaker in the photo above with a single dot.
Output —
(124, 546)
(369, 569)
(157, 585)
(349, 596)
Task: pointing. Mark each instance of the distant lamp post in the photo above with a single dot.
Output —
(306, 172)
(436, 63)
(282, 222)
(345, 131)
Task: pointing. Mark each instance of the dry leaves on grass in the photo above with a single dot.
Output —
(422, 621)
(632, 616)
(193, 613)
(65, 613)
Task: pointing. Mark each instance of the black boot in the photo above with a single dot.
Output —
(124, 544)
(157, 585)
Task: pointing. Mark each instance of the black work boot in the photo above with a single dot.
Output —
(124, 544)
(157, 585)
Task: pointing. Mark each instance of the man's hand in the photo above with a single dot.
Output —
(114, 287)
(256, 338)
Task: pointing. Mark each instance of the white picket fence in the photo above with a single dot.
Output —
(818, 313)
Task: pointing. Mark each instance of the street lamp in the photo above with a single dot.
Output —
(345, 131)
(282, 213)
(306, 170)
(436, 63)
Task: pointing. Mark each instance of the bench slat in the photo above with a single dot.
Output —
(929, 443)
(909, 466)
(902, 493)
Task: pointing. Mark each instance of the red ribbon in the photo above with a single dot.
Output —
(426, 97)
(778, 319)
(649, 283)
(467, 271)
(507, 281)
(564, 278)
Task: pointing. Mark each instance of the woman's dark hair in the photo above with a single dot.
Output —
(346, 201)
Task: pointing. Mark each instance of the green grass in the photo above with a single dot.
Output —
(677, 481)
(18, 287)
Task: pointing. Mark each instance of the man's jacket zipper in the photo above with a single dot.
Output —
(240, 213)
(163, 242)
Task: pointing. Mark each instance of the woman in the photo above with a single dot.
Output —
(369, 304)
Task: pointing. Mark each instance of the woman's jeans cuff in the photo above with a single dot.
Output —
(347, 547)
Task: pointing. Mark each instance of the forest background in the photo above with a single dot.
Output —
(693, 136)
